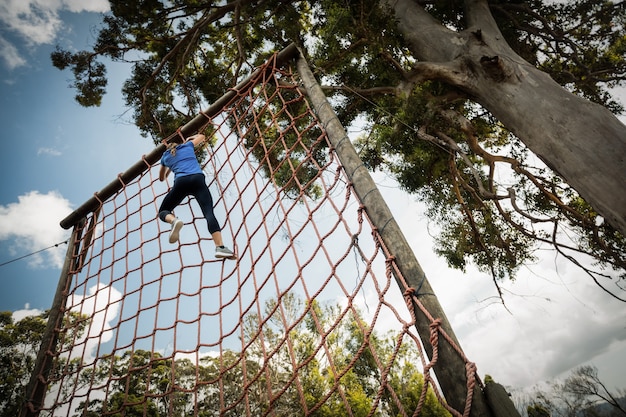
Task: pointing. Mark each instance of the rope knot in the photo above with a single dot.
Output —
(434, 334)
(435, 325)
(470, 372)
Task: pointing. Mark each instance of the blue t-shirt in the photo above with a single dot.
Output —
(184, 162)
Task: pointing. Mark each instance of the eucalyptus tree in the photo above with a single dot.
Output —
(497, 115)
(287, 368)
(18, 340)
(19, 343)
(336, 358)
(582, 392)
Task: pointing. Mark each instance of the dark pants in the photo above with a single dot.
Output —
(191, 185)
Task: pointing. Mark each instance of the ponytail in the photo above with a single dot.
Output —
(172, 148)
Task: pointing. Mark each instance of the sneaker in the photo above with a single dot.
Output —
(224, 252)
(176, 226)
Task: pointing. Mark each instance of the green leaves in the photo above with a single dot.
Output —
(19, 344)
(341, 378)
(89, 75)
(284, 139)
(331, 352)
(493, 203)
(579, 43)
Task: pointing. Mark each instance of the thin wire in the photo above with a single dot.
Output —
(56, 245)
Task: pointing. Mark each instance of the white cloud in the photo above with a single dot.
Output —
(102, 305)
(78, 6)
(557, 320)
(26, 312)
(10, 55)
(35, 23)
(194, 357)
(34, 224)
(48, 151)
(557, 317)
(38, 22)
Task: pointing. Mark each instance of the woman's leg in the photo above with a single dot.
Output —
(217, 238)
(203, 197)
(172, 199)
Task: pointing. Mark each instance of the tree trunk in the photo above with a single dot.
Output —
(581, 141)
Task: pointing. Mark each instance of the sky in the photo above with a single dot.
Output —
(56, 154)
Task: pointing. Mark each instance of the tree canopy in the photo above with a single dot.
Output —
(497, 115)
(582, 393)
(295, 378)
(339, 380)
(19, 342)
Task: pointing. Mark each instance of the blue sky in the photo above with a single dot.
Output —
(56, 154)
(60, 153)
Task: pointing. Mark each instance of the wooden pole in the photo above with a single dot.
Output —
(450, 368)
(500, 401)
(37, 385)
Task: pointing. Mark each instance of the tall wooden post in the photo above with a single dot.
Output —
(450, 368)
(37, 385)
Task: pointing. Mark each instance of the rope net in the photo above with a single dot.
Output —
(308, 321)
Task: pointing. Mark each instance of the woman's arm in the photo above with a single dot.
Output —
(196, 139)
(163, 173)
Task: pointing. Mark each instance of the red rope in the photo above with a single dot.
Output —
(287, 326)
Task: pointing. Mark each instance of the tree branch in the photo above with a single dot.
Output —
(479, 16)
(428, 39)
